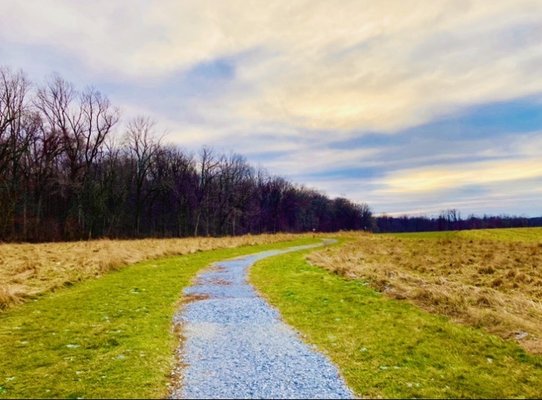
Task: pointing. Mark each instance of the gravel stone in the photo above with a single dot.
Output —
(236, 345)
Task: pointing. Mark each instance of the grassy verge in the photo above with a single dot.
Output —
(109, 337)
(390, 348)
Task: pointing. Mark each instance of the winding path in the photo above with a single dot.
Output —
(236, 345)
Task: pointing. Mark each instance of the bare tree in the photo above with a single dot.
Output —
(174, 179)
(15, 137)
(62, 118)
(235, 188)
(99, 118)
(141, 143)
(82, 121)
(62, 177)
(208, 169)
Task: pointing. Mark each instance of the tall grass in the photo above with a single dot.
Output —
(103, 338)
(29, 270)
(490, 279)
(389, 348)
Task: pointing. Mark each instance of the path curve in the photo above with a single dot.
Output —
(236, 345)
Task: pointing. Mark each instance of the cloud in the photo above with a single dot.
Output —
(432, 179)
(316, 159)
(517, 197)
(366, 65)
(392, 74)
(429, 173)
(406, 104)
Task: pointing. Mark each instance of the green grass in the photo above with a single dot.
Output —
(509, 234)
(389, 348)
(109, 337)
(505, 234)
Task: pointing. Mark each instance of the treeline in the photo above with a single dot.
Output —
(450, 220)
(69, 170)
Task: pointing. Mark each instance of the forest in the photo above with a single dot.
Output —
(71, 169)
(451, 220)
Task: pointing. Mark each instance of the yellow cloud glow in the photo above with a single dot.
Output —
(431, 179)
(354, 65)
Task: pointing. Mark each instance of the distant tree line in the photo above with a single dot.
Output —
(69, 170)
(450, 220)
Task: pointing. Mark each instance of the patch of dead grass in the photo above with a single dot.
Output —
(28, 270)
(489, 283)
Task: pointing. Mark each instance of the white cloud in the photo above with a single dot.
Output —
(310, 160)
(516, 197)
(358, 65)
(315, 72)
(439, 178)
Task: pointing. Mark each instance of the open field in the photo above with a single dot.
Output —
(28, 270)
(389, 348)
(113, 337)
(103, 338)
(529, 235)
(488, 278)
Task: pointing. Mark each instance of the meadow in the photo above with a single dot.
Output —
(104, 338)
(491, 279)
(29, 270)
(389, 348)
(441, 314)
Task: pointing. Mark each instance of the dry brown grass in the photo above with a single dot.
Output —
(490, 283)
(28, 270)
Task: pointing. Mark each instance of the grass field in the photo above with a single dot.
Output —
(109, 337)
(29, 270)
(390, 348)
(383, 307)
(487, 278)
(528, 235)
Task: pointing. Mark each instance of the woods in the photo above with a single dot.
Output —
(450, 220)
(71, 169)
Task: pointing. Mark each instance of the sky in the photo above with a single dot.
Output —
(412, 106)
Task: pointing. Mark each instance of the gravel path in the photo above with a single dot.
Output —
(236, 345)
